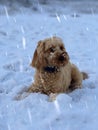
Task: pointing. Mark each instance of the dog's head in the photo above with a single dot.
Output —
(50, 52)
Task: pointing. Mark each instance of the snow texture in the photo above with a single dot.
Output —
(19, 33)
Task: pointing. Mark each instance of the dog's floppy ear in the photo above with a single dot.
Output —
(35, 57)
(36, 61)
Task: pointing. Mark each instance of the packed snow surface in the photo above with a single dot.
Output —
(19, 34)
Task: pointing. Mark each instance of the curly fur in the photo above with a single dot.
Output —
(54, 72)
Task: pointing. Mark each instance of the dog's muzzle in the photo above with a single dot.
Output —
(62, 57)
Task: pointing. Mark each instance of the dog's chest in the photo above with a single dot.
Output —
(54, 82)
(49, 79)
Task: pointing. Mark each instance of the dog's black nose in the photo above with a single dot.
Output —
(61, 58)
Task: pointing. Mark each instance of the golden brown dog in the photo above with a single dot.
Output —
(54, 72)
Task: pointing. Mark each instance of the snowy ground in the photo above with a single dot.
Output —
(19, 34)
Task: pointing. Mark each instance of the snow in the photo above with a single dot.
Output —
(19, 34)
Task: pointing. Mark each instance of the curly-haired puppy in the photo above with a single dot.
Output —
(54, 72)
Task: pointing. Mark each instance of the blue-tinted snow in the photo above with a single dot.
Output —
(19, 34)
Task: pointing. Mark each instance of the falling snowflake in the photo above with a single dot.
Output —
(21, 66)
(57, 106)
(22, 29)
(24, 42)
(64, 17)
(9, 127)
(6, 12)
(29, 114)
(58, 18)
(14, 19)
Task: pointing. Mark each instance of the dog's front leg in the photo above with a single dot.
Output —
(52, 97)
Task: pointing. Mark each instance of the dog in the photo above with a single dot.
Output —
(54, 72)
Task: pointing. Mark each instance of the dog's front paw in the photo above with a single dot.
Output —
(52, 97)
(21, 96)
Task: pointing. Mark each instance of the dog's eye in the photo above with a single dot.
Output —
(61, 47)
(52, 49)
